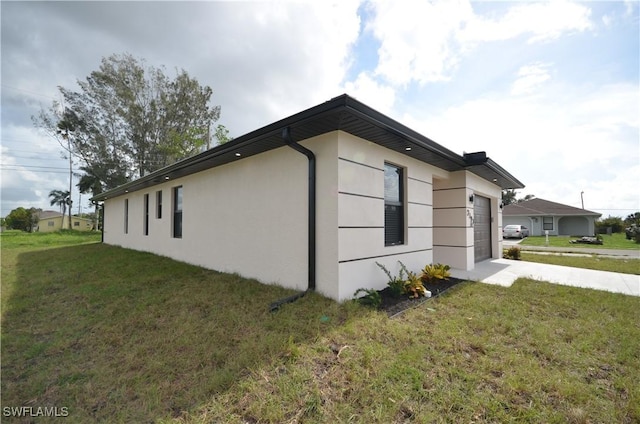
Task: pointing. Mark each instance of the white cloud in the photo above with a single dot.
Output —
(541, 21)
(424, 41)
(530, 77)
(367, 90)
(558, 142)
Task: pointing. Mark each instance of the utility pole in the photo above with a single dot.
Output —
(582, 198)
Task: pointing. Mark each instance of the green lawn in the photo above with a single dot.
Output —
(614, 241)
(625, 266)
(121, 336)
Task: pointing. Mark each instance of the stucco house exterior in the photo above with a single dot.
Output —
(50, 221)
(314, 200)
(541, 215)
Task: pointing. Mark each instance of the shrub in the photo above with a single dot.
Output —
(396, 284)
(413, 286)
(370, 298)
(433, 273)
(512, 253)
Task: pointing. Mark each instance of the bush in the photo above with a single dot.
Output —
(396, 284)
(512, 253)
(414, 287)
(370, 298)
(432, 273)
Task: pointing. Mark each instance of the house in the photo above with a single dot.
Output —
(541, 215)
(52, 221)
(314, 200)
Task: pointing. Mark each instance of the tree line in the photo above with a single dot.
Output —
(129, 119)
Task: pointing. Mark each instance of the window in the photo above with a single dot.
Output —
(177, 212)
(145, 227)
(126, 216)
(393, 205)
(50, 224)
(159, 204)
(76, 223)
(547, 223)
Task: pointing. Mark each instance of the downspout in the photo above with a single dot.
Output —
(311, 260)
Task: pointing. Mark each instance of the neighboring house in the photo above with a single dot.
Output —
(315, 200)
(52, 221)
(541, 215)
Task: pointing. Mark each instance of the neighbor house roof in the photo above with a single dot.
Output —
(49, 214)
(340, 113)
(541, 207)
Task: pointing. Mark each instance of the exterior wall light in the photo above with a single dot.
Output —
(471, 198)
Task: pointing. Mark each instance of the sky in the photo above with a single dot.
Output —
(550, 90)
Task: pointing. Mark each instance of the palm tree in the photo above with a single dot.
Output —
(90, 183)
(61, 198)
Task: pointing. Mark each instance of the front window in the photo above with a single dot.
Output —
(393, 205)
(177, 212)
(547, 223)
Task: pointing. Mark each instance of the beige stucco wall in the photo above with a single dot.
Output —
(453, 216)
(83, 224)
(361, 214)
(248, 217)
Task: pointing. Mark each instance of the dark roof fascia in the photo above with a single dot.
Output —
(269, 137)
(491, 171)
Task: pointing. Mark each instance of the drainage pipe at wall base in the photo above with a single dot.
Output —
(311, 260)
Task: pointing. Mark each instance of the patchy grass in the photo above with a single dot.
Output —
(625, 266)
(122, 336)
(614, 241)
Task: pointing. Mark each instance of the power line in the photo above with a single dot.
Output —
(32, 166)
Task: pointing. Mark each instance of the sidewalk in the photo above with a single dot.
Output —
(504, 272)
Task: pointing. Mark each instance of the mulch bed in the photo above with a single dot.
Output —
(394, 305)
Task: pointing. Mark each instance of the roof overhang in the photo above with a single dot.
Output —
(342, 113)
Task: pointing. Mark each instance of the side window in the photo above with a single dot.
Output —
(126, 216)
(145, 225)
(393, 205)
(159, 204)
(177, 212)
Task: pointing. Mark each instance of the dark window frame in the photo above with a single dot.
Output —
(145, 224)
(394, 206)
(177, 212)
(547, 225)
(126, 216)
(159, 204)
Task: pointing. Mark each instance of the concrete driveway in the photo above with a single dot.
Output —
(504, 272)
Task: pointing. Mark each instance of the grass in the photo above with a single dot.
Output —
(122, 336)
(597, 262)
(613, 241)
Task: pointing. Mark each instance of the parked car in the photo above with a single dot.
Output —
(515, 231)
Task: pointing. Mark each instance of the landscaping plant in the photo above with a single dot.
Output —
(396, 284)
(512, 253)
(433, 273)
(413, 286)
(370, 298)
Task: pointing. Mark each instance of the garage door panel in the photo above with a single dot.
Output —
(482, 228)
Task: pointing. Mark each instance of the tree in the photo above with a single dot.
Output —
(22, 219)
(615, 222)
(90, 183)
(62, 199)
(527, 197)
(129, 119)
(633, 218)
(222, 134)
(508, 196)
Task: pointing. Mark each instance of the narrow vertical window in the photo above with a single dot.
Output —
(393, 205)
(145, 226)
(159, 204)
(547, 223)
(126, 216)
(177, 212)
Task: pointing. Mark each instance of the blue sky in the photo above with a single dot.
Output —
(550, 90)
